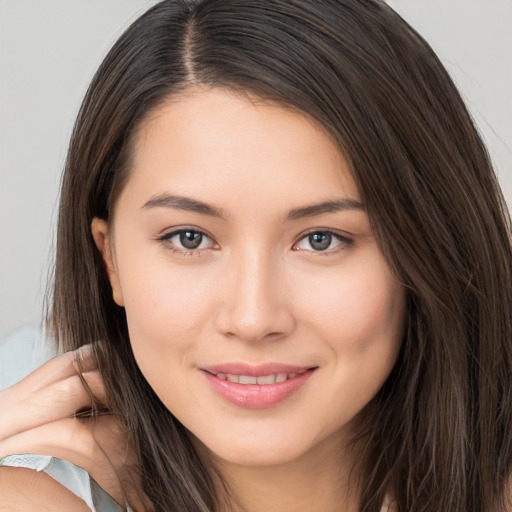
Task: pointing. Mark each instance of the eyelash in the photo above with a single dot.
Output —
(345, 242)
(166, 240)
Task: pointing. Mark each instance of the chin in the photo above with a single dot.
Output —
(257, 451)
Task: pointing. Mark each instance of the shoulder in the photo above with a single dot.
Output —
(26, 490)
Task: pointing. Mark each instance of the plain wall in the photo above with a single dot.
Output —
(50, 49)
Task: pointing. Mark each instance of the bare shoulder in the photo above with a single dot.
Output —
(26, 490)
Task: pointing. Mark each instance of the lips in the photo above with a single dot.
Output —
(256, 387)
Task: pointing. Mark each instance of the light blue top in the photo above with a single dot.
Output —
(20, 354)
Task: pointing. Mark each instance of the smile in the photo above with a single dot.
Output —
(261, 379)
(257, 388)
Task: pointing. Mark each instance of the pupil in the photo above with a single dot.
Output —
(320, 241)
(191, 239)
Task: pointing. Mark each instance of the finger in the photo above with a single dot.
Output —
(57, 368)
(70, 436)
(60, 437)
(85, 359)
(60, 400)
(94, 384)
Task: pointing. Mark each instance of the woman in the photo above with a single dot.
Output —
(283, 232)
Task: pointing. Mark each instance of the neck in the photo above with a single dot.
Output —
(321, 480)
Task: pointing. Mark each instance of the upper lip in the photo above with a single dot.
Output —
(255, 370)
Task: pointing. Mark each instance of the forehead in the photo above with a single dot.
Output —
(217, 142)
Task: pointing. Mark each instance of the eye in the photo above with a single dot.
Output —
(322, 241)
(187, 241)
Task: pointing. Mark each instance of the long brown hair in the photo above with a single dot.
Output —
(437, 436)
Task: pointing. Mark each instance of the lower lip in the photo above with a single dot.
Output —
(257, 396)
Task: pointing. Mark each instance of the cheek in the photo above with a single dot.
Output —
(360, 319)
(361, 310)
(166, 310)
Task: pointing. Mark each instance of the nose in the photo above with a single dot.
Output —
(255, 304)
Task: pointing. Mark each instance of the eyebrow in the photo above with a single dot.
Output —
(196, 206)
(184, 203)
(332, 206)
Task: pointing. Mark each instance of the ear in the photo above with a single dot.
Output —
(99, 229)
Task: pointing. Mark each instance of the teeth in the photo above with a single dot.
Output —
(247, 379)
(264, 379)
(267, 379)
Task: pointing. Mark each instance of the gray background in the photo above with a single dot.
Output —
(49, 50)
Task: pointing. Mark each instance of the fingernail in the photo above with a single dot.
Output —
(85, 358)
(84, 352)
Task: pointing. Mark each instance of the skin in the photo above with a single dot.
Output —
(38, 419)
(255, 291)
(46, 494)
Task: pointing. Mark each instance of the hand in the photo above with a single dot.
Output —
(39, 416)
(52, 392)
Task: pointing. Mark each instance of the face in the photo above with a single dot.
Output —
(260, 308)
